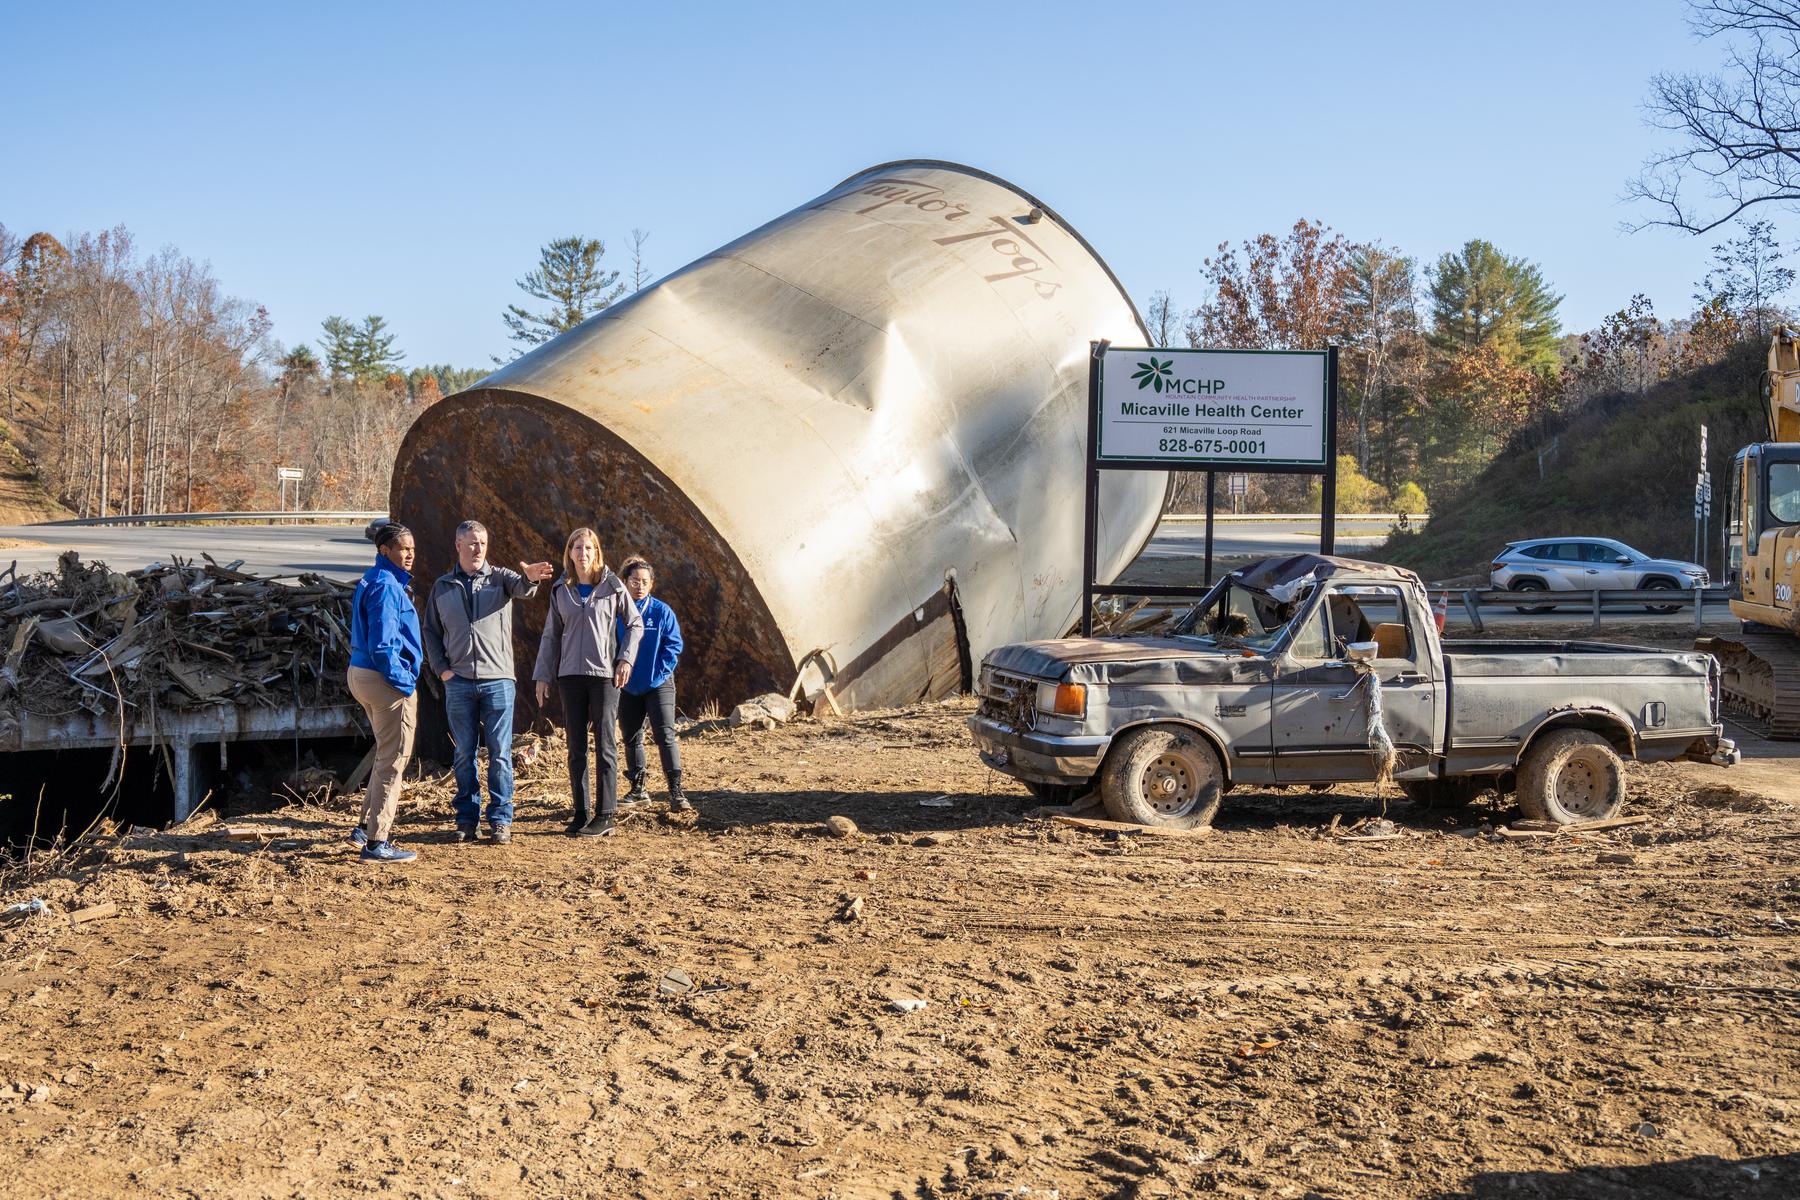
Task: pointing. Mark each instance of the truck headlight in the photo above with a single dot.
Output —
(1062, 699)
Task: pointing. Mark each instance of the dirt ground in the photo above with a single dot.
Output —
(1271, 1010)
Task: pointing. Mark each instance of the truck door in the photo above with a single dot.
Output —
(1321, 707)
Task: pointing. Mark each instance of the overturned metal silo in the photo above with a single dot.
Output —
(851, 441)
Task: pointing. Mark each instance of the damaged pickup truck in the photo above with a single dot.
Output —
(1311, 669)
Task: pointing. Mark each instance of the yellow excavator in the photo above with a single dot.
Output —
(1760, 667)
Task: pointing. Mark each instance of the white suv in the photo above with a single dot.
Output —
(1572, 564)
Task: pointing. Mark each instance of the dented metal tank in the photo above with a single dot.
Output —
(851, 441)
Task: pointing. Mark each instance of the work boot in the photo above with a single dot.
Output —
(602, 826)
(359, 837)
(678, 801)
(467, 833)
(579, 822)
(637, 795)
(386, 852)
(502, 834)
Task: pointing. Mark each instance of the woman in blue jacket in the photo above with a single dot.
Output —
(385, 656)
(650, 692)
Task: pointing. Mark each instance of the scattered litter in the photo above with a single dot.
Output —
(865, 875)
(852, 909)
(24, 909)
(1256, 1048)
(906, 1004)
(842, 827)
(937, 802)
(1647, 1130)
(675, 982)
(933, 839)
(1378, 829)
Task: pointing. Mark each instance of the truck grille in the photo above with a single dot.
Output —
(1008, 699)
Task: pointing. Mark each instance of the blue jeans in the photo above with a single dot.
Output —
(481, 714)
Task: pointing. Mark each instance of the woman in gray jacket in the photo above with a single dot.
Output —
(590, 638)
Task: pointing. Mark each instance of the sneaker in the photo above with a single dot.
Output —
(467, 833)
(678, 802)
(501, 834)
(386, 852)
(598, 827)
(359, 837)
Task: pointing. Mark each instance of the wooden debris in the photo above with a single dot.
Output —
(170, 637)
(1095, 825)
(94, 912)
(254, 833)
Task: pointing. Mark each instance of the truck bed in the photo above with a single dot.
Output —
(1501, 691)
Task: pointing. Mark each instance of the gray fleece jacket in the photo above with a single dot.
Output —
(468, 622)
(580, 636)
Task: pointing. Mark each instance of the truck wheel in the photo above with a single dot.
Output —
(1439, 794)
(1570, 776)
(1162, 776)
(1058, 793)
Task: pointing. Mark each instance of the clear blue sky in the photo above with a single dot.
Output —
(408, 159)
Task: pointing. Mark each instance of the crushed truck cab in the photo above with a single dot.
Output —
(1315, 669)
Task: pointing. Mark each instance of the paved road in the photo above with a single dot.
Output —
(335, 550)
(1187, 539)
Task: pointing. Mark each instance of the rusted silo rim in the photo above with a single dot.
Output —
(946, 165)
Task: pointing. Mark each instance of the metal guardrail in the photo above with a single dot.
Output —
(1299, 518)
(1596, 603)
(260, 518)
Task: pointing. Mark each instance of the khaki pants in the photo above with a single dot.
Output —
(394, 717)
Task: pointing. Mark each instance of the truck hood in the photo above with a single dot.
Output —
(1128, 660)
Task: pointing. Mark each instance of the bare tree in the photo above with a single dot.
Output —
(639, 275)
(1380, 307)
(1738, 132)
(1162, 319)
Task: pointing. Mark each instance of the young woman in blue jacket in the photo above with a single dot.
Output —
(385, 656)
(650, 692)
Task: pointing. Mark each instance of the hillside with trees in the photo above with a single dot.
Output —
(1621, 466)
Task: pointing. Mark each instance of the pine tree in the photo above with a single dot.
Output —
(1480, 298)
(570, 277)
(362, 352)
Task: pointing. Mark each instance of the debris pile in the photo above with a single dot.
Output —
(176, 636)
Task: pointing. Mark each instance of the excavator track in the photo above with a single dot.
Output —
(1760, 679)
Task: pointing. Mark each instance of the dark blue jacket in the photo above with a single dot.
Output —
(384, 627)
(660, 650)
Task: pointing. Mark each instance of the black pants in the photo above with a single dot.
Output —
(591, 702)
(659, 707)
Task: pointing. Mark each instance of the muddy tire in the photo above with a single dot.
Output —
(1440, 794)
(1058, 793)
(1160, 775)
(1571, 776)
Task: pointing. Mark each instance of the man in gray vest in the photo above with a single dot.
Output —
(469, 643)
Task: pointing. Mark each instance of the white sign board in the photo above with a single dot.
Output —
(1189, 409)
(1237, 485)
(290, 473)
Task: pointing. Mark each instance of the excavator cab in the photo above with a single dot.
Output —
(1764, 499)
(1759, 667)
